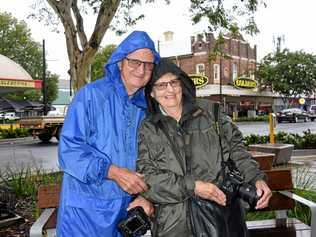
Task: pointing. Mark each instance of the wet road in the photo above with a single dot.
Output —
(262, 128)
(27, 152)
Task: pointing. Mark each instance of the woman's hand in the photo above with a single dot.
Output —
(210, 191)
(264, 192)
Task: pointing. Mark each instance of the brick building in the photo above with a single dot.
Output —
(221, 71)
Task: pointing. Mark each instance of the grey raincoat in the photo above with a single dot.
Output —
(166, 174)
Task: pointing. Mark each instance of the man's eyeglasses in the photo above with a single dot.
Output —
(135, 63)
(163, 85)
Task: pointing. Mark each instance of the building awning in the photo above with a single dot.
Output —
(14, 78)
(227, 90)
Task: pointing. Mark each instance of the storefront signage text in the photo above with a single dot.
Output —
(199, 80)
(16, 83)
(245, 83)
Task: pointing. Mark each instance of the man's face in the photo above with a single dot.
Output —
(136, 69)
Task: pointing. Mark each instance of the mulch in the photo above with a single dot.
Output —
(25, 208)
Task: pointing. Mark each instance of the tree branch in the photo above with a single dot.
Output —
(80, 28)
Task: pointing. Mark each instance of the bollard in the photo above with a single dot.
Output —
(272, 124)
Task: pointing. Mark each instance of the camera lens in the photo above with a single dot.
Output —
(248, 193)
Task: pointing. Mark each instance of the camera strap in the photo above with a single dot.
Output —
(225, 164)
(186, 137)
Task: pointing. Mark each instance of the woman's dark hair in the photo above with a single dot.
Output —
(165, 66)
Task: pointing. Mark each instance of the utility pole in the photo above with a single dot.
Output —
(44, 82)
(158, 46)
(220, 80)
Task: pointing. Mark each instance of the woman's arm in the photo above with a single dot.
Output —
(165, 186)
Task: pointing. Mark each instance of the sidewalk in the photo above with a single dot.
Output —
(7, 141)
(307, 157)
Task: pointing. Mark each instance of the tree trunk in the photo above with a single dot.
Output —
(80, 49)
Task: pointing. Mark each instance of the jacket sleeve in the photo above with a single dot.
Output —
(76, 157)
(165, 186)
(248, 166)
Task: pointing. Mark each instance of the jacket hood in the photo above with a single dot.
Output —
(188, 89)
(136, 40)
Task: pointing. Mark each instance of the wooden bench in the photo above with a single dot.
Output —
(47, 202)
(279, 180)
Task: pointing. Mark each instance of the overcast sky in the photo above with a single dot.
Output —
(292, 19)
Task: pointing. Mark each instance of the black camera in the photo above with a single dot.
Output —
(233, 185)
(137, 223)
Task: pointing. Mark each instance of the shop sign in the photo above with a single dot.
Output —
(17, 83)
(199, 80)
(245, 83)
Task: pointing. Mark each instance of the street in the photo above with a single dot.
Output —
(22, 152)
(262, 128)
(28, 152)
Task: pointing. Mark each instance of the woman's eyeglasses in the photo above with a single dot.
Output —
(135, 63)
(163, 85)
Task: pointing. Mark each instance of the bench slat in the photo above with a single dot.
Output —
(48, 196)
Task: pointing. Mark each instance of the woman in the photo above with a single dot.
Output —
(179, 123)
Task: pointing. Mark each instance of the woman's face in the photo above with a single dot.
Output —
(168, 92)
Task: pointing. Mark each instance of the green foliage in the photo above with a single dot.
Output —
(24, 179)
(101, 58)
(262, 118)
(17, 44)
(223, 14)
(255, 139)
(307, 141)
(289, 73)
(13, 133)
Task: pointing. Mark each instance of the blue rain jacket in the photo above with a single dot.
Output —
(100, 129)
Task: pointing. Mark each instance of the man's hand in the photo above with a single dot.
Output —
(210, 191)
(131, 182)
(264, 192)
(145, 204)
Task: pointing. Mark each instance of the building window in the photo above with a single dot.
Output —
(235, 71)
(216, 74)
(200, 69)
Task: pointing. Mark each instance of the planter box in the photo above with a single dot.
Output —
(283, 152)
(265, 160)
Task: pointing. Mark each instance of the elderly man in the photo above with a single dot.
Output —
(98, 147)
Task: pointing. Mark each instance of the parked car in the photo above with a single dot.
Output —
(312, 112)
(11, 116)
(292, 115)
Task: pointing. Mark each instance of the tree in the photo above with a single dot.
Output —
(291, 74)
(17, 44)
(82, 49)
(101, 58)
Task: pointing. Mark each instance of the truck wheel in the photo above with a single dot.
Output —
(45, 137)
(57, 135)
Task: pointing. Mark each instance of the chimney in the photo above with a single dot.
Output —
(168, 35)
